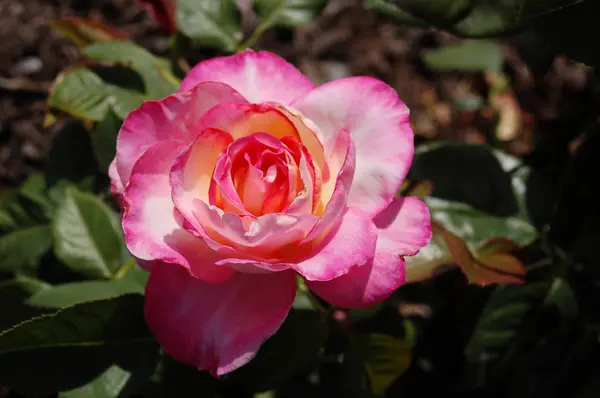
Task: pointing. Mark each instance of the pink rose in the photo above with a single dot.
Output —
(251, 175)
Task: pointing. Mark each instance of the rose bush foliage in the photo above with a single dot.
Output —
(249, 176)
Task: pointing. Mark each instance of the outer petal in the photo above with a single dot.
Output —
(352, 245)
(173, 118)
(116, 185)
(151, 225)
(403, 229)
(365, 285)
(258, 76)
(379, 125)
(218, 327)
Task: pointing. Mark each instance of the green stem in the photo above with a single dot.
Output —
(260, 29)
(120, 274)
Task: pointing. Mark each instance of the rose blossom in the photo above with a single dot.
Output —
(251, 175)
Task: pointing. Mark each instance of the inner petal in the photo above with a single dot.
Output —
(242, 120)
(257, 175)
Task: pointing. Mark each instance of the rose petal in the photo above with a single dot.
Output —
(242, 120)
(353, 244)
(116, 185)
(403, 229)
(258, 76)
(337, 205)
(196, 164)
(152, 231)
(379, 125)
(218, 327)
(173, 118)
(262, 236)
(365, 285)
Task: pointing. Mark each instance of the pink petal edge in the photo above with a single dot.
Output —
(378, 122)
(150, 222)
(259, 76)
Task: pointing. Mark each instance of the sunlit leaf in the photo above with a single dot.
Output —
(68, 294)
(429, 262)
(476, 227)
(82, 93)
(83, 32)
(210, 23)
(87, 235)
(158, 80)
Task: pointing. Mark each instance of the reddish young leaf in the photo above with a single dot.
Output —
(496, 245)
(457, 247)
(163, 12)
(83, 32)
(497, 268)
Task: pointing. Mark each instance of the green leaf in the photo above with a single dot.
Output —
(465, 173)
(34, 190)
(210, 23)
(533, 192)
(114, 382)
(561, 296)
(564, 23)
(73, 346)
(104, 139)
(13, 294)
(383, 358)
(158, 80)
(472, 18)
(466, 56)
(23, 248)
(68, 294)
(503, 316)
(83, 93)
(16, 213)
(87, 235)
(288, 14)
(429, 261)
(387, 358)
(293, 348)
(85, 31)
(476, 227)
